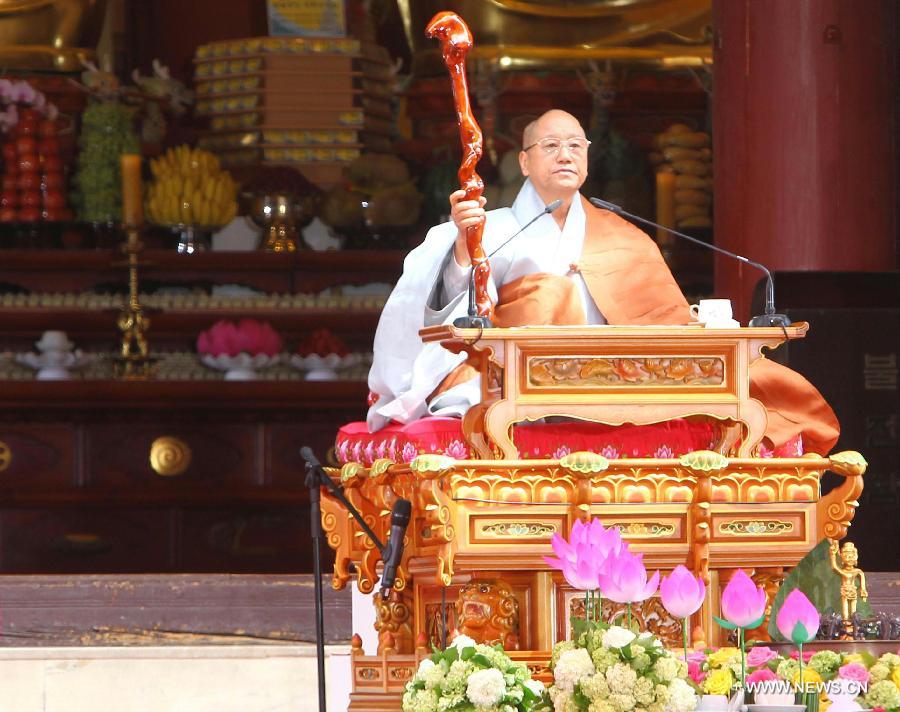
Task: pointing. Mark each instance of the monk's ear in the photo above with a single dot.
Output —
(523, 163)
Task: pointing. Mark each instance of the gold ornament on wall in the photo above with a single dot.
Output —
(169, 456)
(5, 456)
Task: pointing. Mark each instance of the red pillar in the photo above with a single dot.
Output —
(804, 154)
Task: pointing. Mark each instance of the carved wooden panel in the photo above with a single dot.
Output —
(242, 540)
(221, 455)
(86, 540)
(37, 457)
(596, 372)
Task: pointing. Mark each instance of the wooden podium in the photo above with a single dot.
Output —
(474, 548)
(612, 375)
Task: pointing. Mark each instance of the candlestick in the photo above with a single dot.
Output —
(132, 191)
(665, 205)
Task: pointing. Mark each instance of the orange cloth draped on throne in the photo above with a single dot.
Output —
(631, 284)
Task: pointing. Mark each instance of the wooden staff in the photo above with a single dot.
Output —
(456, 41)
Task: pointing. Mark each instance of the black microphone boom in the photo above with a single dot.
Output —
(770, 318)
(393, 552)
(472, 320)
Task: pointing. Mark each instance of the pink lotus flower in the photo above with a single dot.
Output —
(247, 336)
(584, 556)
(624, 579)
(795, 655)
(761, 675)
(854, 671)
(743, 603)
(760, 655)
(682, 593)
(798, 620)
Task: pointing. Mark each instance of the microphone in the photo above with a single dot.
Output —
(393, 552)
(770, 318)
(472, 318)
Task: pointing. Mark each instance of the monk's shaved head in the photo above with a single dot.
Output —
(534, 130)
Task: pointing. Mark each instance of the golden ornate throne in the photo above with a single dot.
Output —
(480, 527)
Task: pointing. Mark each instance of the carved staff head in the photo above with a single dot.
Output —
(453, 34)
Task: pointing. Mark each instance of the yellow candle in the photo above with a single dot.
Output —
(665, 204)
(132, 192)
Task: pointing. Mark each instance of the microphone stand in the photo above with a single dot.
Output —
(770, 318)
(315, 479)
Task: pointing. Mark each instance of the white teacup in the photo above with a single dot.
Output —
(713, 312)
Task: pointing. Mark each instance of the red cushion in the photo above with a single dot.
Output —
(402, 443)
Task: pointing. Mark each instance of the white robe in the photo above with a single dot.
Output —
(404, 370)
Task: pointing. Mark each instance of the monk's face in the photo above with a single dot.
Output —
(554, 156)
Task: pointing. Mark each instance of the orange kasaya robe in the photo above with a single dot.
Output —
(631, 284)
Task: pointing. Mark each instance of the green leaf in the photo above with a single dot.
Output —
(579, 626)
(527, 694)
(467, 653)
(481, 659)
(814, 576)
(451, 654)
(800, 635)
(724, 624)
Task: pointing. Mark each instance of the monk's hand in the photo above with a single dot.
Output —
(464, 214)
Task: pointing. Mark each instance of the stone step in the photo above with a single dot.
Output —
(172, 678)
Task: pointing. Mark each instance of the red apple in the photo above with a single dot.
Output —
(54, 199)
(29, 163)
(10, 154)
(10, 182)
(47, 128)
(29, 116)
(48, 146)
(9, 199)
(29, 215)
(29, 181)
(31, 199)
(26, 129)
(9, 215)
(26, 145)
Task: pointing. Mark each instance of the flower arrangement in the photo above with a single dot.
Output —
(871, 682)
(246, 336)
(239, 348)
(19, 94)
(469, 677)
(609, 668)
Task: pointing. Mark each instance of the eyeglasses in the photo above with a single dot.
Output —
(551, 146)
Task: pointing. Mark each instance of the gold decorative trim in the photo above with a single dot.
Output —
(704, 460)
(756, 527)
(517, 530)
(645, 530)
(594, 372)
(5, 456)
(431, 463)
(170, 456)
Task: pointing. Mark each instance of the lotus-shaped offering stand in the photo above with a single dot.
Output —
(55, 359)
(240, 349)
(240, 367)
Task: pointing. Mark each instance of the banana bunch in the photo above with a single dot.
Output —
(190, 188)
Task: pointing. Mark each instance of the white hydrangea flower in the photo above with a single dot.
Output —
(433, 677)
(682, 697)
(486, 687)
(666, 668)
(621, 678)
(425, 666)
(536, 686)
(617, 637)
(462, 641)
(571, 668)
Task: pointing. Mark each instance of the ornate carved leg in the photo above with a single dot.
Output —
(394, 622)
(496, 425)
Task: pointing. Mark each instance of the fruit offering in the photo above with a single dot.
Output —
(107, 132)
(190, 188)
(322, 343)
(33, 180)
(688, 155)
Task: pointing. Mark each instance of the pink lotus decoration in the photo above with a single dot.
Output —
(798, 620)
(743, 602)
(247, 336)
(582, 558)
(624, 578)
(682, 593)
